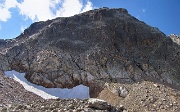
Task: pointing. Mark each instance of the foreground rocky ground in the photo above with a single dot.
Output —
(143, 97)
(138, 97)
(14, 98)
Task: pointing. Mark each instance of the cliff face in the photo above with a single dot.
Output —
(98, 46)
(14, 98)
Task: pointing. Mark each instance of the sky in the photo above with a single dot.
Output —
(17, 15)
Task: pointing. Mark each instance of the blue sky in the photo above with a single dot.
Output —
(16, 15)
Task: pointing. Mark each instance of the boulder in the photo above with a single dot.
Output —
(98, 104)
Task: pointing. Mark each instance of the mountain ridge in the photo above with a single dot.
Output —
(93, 48)
(114, 30)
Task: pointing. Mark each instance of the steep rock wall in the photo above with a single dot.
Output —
(98, 46)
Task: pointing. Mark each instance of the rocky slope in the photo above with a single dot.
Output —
(95, 48)
(138, 97)
(142, 97)
(14, 98)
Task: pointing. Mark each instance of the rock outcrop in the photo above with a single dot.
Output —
(14, 98)
(93, 48)
(175, 38)
(104, 44)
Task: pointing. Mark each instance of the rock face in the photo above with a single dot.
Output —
(14, 98)
(175, 38)
(93, 48)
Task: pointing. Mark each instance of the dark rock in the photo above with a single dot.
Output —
(106, 45)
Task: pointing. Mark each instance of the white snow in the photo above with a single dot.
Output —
(79, 91)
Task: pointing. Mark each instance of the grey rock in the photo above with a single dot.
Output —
(4, 109)
(107, 45)
(117, 89)
(98, 104)
(123, 92)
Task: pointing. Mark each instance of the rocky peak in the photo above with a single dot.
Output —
(105, 12)
(93, 48)
(34, 28)
(117, 56)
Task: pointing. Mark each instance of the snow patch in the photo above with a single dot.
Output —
(79, 91)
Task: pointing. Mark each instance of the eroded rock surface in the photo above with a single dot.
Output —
(14, 98)
(93, 48)
(102, 44)
(175, 38)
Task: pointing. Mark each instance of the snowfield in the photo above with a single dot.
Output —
(80, 91)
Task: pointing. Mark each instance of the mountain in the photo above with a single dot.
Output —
(96, 48)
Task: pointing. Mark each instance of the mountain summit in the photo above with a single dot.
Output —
(93, 48)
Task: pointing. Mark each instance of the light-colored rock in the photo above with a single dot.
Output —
(98, 104)
(175, 38)
(117, 89)
(156, 85)
(123, 92)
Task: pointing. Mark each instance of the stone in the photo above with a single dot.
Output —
(123, 92)
(70, 106)
(98, 104)
(20, 107)
(124, 111)
(156, 85)
(118, 90)
(4, 109)
(26, 110)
